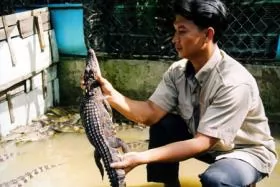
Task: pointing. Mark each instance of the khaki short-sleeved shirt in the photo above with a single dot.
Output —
(230, 108)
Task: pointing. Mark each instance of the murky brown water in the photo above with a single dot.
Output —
(79, 169)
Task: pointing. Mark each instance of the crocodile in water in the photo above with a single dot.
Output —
(7, 156)
(96, 113)
(21, 180)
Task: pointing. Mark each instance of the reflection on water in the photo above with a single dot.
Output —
(74, 152)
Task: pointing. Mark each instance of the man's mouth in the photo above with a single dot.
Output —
(178, 48)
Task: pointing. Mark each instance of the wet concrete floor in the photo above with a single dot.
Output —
(74, 153)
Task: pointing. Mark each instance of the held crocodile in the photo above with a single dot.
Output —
(96, 117)
(23, 179)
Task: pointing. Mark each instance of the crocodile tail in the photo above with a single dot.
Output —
(107, 160)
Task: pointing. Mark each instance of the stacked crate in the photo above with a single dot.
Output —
(28, 68)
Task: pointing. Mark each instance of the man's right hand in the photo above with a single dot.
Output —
(105, 86)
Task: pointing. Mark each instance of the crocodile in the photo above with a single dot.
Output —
(96, 116)
(7, 156)
(23, 179)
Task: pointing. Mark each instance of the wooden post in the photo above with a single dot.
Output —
(54, 49)
(8, 37)
(11, 107)
(39, 26)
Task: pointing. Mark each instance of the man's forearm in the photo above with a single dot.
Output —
(178, 151)
(137, 111)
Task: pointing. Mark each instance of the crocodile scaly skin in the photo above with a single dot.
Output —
(97, 121)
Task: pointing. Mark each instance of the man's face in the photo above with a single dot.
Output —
(188, 39)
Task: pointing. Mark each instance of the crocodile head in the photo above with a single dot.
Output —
(91, 71)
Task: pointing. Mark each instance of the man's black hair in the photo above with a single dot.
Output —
(204, 14)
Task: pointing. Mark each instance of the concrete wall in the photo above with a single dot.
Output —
(138, 79)
(268, 79)
(134, 78)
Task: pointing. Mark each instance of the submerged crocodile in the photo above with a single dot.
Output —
(7, 156)
(96, 117)
(21, 180)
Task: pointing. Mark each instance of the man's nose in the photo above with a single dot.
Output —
(174, 39)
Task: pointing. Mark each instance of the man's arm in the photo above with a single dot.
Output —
(176, 151)
(145, 112)
(179, 151)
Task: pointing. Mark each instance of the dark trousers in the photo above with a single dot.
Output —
(172, 128)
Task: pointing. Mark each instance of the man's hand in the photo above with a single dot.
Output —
(129, 161)
(105, 85)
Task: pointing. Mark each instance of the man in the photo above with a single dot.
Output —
(207, 106)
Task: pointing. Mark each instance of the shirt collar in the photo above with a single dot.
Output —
(203, 74)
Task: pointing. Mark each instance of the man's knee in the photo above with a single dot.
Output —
(230, 172)
(214, 178)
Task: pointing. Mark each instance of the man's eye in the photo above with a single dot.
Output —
(181, 31)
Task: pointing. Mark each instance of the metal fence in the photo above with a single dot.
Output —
(254, 30)
(143, 28)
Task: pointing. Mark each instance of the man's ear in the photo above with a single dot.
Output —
(210, 32)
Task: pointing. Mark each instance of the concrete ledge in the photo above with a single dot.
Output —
(138, 79)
